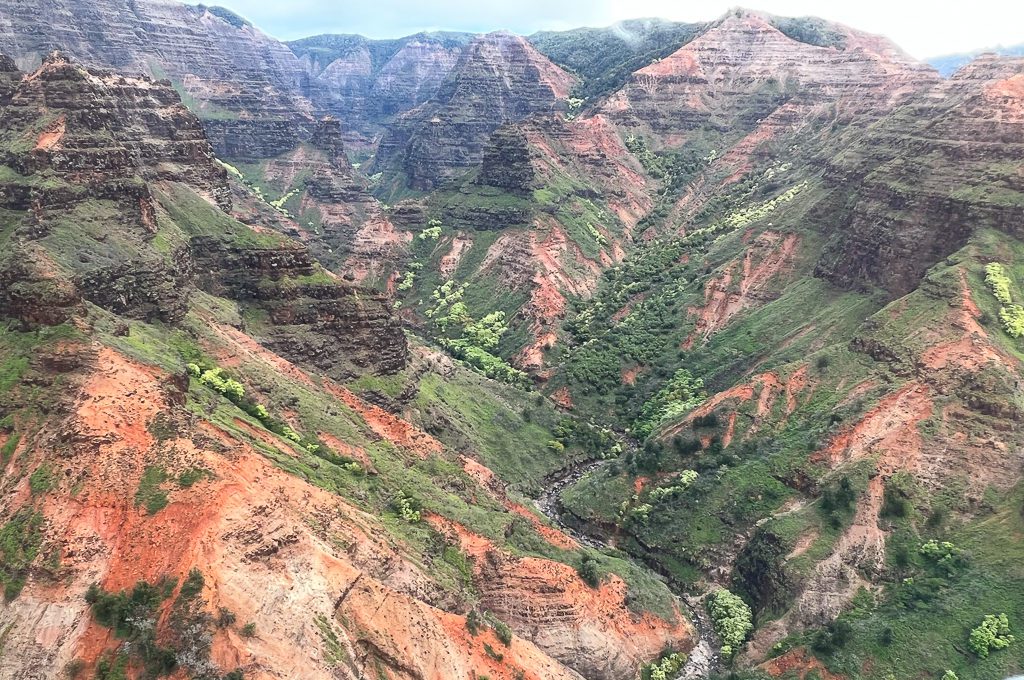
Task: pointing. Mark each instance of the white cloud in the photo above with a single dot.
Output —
(922, 28)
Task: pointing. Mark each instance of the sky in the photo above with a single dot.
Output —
(924, 29)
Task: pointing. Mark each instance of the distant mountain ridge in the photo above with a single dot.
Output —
(948, 64)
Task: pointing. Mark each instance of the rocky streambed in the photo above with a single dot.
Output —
(703, 659)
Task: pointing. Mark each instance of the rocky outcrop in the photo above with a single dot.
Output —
(244, 85)
(80, 149)
(102, 129)
(926, 178)
(339, 330)
(314, 320)
(507, 162)
(334, 215)
(499, 78)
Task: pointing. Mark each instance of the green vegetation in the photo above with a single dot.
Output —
(732, 619)
(1012, 318)
(20, 539)
(605, 57)
(472, 341)
(680, 394)
(132, 615)
(149, 493)
(993, 633)
(405, 507)
(41, 480)
(665, 668)
(1010, 315)
(590, 571)
(998, 281)
(810, 30)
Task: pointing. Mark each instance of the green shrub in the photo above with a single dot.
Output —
(732, 619)
(149, 493)
(993, 633)
(248, 630)
(74, 668)
(943, 557)
(41, 479)
(833, 637)
(680, 484)
(473, 622)
(998, 282)
(193, 475)
(404, 506)
(590, 571)
(490, 651)
(225, 617)
(503, 632)
(20, 539)
(665, 668)
(1012, 318)
(682, 393)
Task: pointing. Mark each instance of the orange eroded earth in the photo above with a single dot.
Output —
(548, 603)
(51, 136)
(766, 387)
(769, 256)
(275, 550)
(799, 665)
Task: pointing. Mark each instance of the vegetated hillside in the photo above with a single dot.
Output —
(779, 263)
(823, 364)
(557, 200)
(949, 64)
(221, 460)
(604, 58)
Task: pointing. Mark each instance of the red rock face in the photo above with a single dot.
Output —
(744, 68)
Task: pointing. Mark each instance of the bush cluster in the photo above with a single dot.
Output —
(732, 619)
(993, 633)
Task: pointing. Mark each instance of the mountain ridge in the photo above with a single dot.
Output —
(462, 356)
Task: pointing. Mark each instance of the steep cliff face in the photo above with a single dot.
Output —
(929, 176)
(744, 68)
(367, 83)
(499, 78)
(80, 148)
(245, 86)
(324, 204)
(105, 179)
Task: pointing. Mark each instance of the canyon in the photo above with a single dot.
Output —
(459, 356)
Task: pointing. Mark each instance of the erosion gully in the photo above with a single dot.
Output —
(703, 659)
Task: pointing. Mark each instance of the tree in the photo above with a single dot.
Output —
(590, 571)
(732, 618)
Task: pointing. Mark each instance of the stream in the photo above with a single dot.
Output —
(703, 659)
